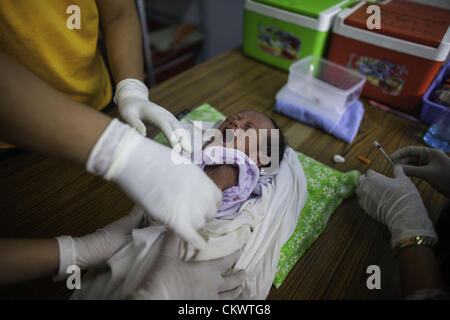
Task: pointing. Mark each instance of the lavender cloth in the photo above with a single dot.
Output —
(235, 196)
(346, 129)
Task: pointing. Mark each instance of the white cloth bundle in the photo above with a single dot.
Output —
(261, 228)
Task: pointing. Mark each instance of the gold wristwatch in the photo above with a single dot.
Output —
(415, 241)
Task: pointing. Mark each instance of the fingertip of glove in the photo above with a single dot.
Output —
(360, 180)
(195, 239)
(395, 155)
(137, 124)
(142, 130)
(398, 171)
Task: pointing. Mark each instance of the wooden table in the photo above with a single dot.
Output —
(44, 197)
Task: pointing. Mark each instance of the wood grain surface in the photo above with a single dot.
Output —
(44, 197)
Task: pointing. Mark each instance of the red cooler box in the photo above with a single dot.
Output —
(399, 60)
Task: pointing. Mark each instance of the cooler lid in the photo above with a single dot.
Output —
(311, 8)
(411, 21)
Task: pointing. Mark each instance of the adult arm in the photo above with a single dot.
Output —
(121, 29)
(123, 39)
(37, 117)
(419, 269)
(396, 203)
(25, 259)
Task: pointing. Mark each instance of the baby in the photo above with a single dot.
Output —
(236, 163)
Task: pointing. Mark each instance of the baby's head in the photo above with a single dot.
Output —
(253, 133)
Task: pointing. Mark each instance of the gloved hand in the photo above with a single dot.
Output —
(173, 192)
(396, 203)
(175, 279)
(432, 165)
(95, 249)
(134, 107)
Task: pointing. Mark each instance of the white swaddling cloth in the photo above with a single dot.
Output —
(261, 228)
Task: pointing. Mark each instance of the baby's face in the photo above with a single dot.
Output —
(243, 131)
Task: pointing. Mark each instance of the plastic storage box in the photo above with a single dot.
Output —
(328, 87)
(399, 60)
(431, 110)
(280, 32)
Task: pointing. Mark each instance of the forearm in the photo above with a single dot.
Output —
(37, 117)
(418, 269)
(122, 32)
(25, 259)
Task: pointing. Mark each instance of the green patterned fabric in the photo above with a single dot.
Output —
(326, 190)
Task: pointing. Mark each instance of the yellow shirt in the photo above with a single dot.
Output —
(58, 43)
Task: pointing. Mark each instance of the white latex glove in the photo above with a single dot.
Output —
(175, 279)
(135, 108)
(432, 165)
(95, 249)
(396, 203)
(180, 196)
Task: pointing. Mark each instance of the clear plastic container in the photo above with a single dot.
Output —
(438, 135)
(329, 87)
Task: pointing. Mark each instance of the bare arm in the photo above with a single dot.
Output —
(37, 117)
(25, 259)
(418, 269)
(121, 28)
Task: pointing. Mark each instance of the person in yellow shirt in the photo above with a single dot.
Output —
(52, 78)
(57, 41)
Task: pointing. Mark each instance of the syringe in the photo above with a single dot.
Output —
(383, 152)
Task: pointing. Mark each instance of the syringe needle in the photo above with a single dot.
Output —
(383, 152)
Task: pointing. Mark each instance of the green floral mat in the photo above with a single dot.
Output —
(326, 190)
